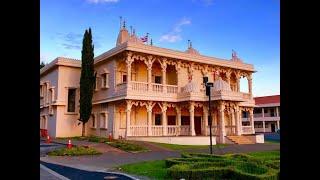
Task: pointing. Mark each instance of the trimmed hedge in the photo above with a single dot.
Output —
(233, 166)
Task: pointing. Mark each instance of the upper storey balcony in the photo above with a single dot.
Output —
(166, 81)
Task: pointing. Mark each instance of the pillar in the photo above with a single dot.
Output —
(228, 75)
(178, 109)
(277, 112)
(164, 119)
(251, 120)
(233, 123)
(250, 84)
(149, 111)
(205, 119)
(149, 78)
(278, 124)
(128, 118)
(164, 76)
(264, 126)
(191, 110)
(222, 124)
(238, 122)
(263, 112)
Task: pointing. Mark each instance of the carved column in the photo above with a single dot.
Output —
(178, 110)
(191, 110)
(264, 126)
(228, 75)
(164, 73)
(238, 122)
(164, 118)
(250, 84)
(128, 117)
(178, 68)
(205, 119)
(129, 61)
(251, 120)
(149, 63)
(149, 111)
(278, 124)
(233, 123)
(222, 124)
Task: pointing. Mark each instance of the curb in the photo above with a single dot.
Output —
(59, 176)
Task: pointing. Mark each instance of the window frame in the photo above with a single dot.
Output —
(105, 80)
(75, 96)
(103, 125)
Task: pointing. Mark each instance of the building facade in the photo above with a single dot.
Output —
(143, 91)
(267, 114)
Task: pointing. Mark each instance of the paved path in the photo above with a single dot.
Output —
(111, 159)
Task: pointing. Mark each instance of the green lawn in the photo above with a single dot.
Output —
(157, 169)
(152, 169)
(177, 147)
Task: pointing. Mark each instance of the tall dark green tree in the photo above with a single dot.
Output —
(87, 79)
(42, 64)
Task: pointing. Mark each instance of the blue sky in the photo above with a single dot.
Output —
(215, 27)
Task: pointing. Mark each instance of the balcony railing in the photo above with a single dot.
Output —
(247, 130)
(157, 130)
(172, 89)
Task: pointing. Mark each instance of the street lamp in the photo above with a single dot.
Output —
(208, 93)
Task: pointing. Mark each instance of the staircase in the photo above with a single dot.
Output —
(240, 140)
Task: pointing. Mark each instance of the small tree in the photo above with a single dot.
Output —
(87, 79)
(42, 64)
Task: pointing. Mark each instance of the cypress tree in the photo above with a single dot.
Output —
(87, 79)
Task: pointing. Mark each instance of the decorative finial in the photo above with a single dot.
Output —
(124, 24)
(188, 43)
(120, 21)
(151, 42)
(131, 30)
(134, 31)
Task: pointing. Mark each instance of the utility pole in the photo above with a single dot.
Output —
(208, 93)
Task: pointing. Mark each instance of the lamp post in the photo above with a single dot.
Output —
(208, 93)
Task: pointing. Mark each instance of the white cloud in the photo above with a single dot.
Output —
(173, 35)
(182, 22)
(102, 1)
(170, 38)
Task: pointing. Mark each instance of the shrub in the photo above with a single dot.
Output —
(74, 151)
(126, 146)
(231, 166)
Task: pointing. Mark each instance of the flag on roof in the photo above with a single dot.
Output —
(144, 39)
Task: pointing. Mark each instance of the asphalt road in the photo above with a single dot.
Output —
(77, 174)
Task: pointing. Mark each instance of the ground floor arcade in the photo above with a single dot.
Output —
(135, 118)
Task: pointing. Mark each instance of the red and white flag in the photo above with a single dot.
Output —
(144, 39)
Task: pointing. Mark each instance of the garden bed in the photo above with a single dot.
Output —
(74, 151)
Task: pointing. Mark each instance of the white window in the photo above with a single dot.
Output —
(93, 121)
(105, 80)
(104, 120)
(43, 122)
(96, 84)
(41, 91)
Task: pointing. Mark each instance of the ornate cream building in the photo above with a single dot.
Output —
(144, 92)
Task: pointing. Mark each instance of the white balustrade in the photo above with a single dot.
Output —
(139, 130)
(230, 130)
(156, 130)
(214, 130)
(184, 130)
(172, 89)
(173, 130)
(246, 130)
(139, 86)
(157, 87)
